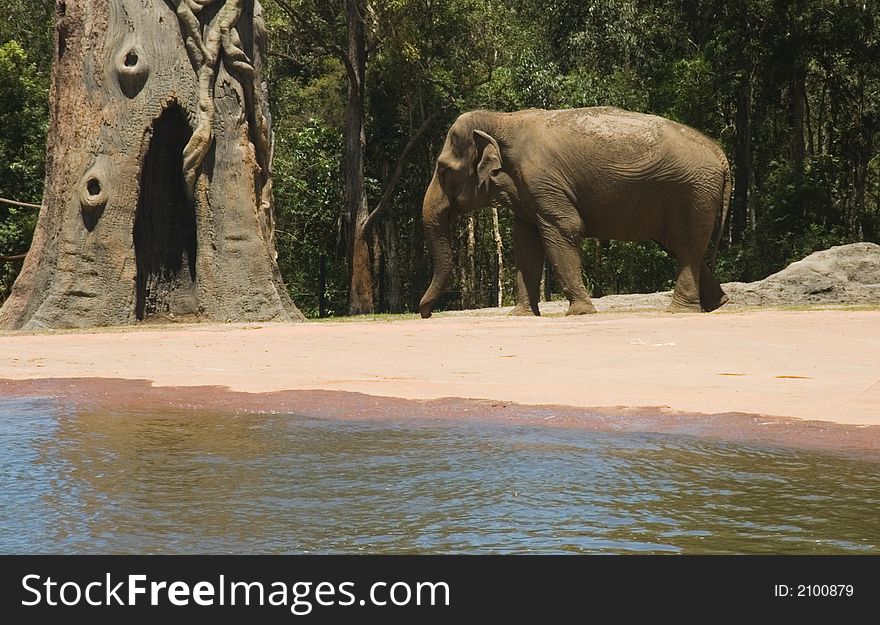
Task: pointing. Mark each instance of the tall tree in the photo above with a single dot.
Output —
(408, 43)
(360, 299)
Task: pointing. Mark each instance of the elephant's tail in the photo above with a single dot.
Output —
(721, 219)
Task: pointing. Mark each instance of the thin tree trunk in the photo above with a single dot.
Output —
(499, 254)
(469, 267)
(460, 247)
(798, 144)
(742, 160)
(392, 267)
(361, 280)
(863, 159)
(598, 288)
(820, 119)
(861, 179)
(808, 122)
(391, 185)
(377, 250)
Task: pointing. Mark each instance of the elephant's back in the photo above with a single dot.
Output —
(626, 136)
(607, 125)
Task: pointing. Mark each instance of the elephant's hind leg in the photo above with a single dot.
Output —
(688, 239)
(686, 295)
(712, 296)
(528, 253)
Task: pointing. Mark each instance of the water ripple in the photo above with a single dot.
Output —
(192, 482)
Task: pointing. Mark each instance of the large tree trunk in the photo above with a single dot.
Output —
(158, 197)
(361, 285)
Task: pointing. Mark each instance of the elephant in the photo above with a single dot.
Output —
(568, 174)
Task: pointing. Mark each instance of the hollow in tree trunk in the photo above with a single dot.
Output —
(158, 199)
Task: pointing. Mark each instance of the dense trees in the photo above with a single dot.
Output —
(790, 89)
(423, 59)
(25, 57)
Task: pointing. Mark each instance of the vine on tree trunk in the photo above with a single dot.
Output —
(204, 45)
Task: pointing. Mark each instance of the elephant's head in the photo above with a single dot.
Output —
(462, 183)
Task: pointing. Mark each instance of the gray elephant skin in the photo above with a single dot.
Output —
(569, 174)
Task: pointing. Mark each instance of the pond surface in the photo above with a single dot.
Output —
(194, 482)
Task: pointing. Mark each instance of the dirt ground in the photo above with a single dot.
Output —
(817, 364)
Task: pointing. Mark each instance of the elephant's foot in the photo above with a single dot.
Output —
(524, 310)
(581, 308)
(682, 307)
(716, 304)
(712, 295)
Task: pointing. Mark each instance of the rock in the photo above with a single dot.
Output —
(845, 274)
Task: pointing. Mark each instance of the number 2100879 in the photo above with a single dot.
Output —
(814, 590)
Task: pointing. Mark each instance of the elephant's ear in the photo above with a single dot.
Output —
(490, 157)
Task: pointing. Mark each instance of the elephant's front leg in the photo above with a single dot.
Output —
(562, 245)
(528, 254)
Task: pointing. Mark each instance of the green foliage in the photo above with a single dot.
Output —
(308, 192)
(22, 147)
(812, 68)
(25, 58)
(29, 22)
(22, 124)
(612, 267)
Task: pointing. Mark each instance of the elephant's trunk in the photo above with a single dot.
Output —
(436, 217)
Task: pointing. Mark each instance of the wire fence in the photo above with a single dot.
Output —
(326, 301)
(322, 298)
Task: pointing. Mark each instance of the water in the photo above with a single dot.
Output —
(189, 482)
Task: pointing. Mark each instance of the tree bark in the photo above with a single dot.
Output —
(864, 152)
(157, 199)
(808, 124)
(798, 95)
(499, 255)
(469, 266)
(392, 268)
(361, 280)
(820, 120)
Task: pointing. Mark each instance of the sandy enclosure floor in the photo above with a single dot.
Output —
(816, 365)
